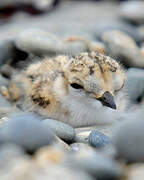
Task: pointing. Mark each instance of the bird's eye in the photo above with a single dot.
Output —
(76, 86)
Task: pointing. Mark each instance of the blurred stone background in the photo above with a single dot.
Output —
(50, 149)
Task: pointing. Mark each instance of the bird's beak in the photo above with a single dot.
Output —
(107, 99)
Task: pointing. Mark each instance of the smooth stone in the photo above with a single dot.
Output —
(98, 139)
(8, 150)
(12, 158)
(75, 147)
(135, 172)
(95, 164)
(67, 31)
(132, 11)
(88, 45)
(62, 130)
(128, 137)
(74, 48)
(39, 42)
(82, 134)
(134, 86)
(50, 171)
(123, 48)
(96, 46)
(26, 130)
(109, 151)
(103, 26)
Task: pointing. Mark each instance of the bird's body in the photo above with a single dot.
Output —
(72, 90)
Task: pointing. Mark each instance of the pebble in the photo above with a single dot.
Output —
(98, 139)
(123, 48)
(135, 172)
(134, 86)
(95, 164)
(13, 159)
(128, 137)
(75, 147)
(27, 131)
(88, 45)
(39, 42)
(10, 151)
(82, 133)
(132, 11)
(61, 151)
(103, 26)
(74, 48)
(62, 130)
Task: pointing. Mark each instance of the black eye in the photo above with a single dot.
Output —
(76, 86)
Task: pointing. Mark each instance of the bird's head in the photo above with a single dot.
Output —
(95, 76)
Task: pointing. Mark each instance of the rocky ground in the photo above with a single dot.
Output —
(32, 149)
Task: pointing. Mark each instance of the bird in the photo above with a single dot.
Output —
(83, 90)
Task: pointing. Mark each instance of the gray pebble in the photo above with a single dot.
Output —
(95, 164)
(123, 48)
(74, 48)
(39, 42)
(134, 85)
(98, 139)
(27, 131)
(100, 27)
(62, 130)
(75, 147)
(132, 11)
(129, 137)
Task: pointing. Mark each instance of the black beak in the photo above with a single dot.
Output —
(107, 99)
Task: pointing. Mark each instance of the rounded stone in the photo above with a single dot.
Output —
(134, 86)
(104, 26)
(123, 48)
(74, 48)
(62, 130)
(128, 137)
(132, 11)
(98, 139)
(95, 164)
(39, 42)
(26, 130)
(75, 147)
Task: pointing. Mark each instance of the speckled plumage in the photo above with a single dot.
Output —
(46, 87)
